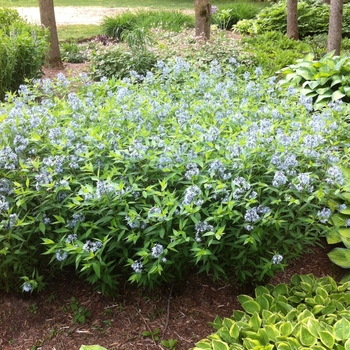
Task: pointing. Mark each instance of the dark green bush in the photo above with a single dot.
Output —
(313, 18)
(129, 21)
(22, 50)
(230, 14)
(273, 51)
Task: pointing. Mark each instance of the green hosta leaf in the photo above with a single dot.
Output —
(327, 339)
(337, 95)
(280, 289)
(272, 332)
(219, 345)
(251, 307)
(251, 343)
(92, 347)
(204, 344)
(263, 302)
(333, 237)
(260, 290)
(342, 329)
(234, 331)
(345, 236)
(306, 338)
(286, 328)
(340, 256)
(255, 321)
(313, 326)
(347, 345)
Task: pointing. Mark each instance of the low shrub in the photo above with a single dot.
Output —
(174, 21)
(272, 51)
(324, 81)
(22, 50)
(313, 19)
(190, 169)
(229, 14)
(308, 313)
(74, 53)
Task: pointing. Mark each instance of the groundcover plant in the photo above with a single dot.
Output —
(148, 177)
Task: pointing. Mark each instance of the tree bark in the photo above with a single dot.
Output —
(335, 26)
(202, 9)
(292, 19)
(48, 20)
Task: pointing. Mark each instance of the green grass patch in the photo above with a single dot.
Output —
(78, 32)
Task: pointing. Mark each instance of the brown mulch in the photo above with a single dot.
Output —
(182, 311)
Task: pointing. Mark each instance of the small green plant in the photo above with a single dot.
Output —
(152, 334)
(33, 308)
(324, 81)
(308, 313)
(169, 344)
(74, 53)
(79, 311)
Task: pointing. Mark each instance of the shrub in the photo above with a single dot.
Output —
(74, 53)
(120, 62)
(230, 14)
(313, 19)
(309, 313)
(188, 169)
(22, 50)
(323, 81)
(272, 51)
(128, 21)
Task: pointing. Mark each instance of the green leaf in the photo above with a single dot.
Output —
(342, 329)
(306, 338)
(204, 344)
(234, 331)
(251, 307)
(219, 345)
(286, 329)
(337, 95)
(340, 257)
(92, 347)
(255, 321)
(327, 339)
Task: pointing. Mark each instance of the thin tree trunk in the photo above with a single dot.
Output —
(202, 10)
(335, 26)
(48, 20)
(292, 19)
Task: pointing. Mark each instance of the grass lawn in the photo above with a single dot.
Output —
(78, 32)
(156, 4)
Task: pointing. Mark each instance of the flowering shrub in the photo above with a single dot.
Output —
(146, 181)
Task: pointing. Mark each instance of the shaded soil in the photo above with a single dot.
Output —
(181, 311)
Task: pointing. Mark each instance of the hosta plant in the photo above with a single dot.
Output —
(150, 177)
(309, 313)
(323, 81)
(340, 231)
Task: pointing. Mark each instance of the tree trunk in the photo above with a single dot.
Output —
(292, 19)
(202, 9)
(48, 20)
(335, 26)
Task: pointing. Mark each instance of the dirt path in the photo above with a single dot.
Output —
(72, 14)
(75, 14)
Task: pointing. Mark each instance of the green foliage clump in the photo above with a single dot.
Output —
(22, 50)
(272, 51)
(313, 19)
(340, 232)
(120, 61)
(229, 14)
(128, 21)
(73, 53)
(148, 178)
(324, 81)
(308, 313)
